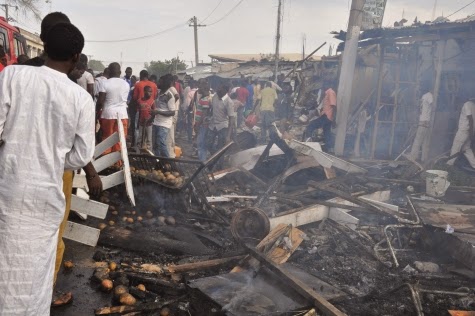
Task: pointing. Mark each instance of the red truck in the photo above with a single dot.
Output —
(12, 41)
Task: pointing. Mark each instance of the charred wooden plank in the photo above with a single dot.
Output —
(146, 242)
(201, 264)
(156, 284)
(305, 291)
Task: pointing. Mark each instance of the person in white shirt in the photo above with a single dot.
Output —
(171, 134)
(113, 102)
(425, 118)
(47, 127)
(188, 111)
(87, 80)
(99, 82)
(162, 117)
(464, 138)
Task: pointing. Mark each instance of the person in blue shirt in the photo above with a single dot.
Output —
(128, 76)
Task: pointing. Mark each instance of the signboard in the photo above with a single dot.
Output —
(373, 14)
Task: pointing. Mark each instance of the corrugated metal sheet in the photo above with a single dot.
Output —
(254, 71)
(258, 57)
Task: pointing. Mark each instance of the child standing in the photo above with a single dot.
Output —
(145, 107)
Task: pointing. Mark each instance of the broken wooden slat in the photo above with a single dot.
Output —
(106, 161)
(112, 180)
(81, 193)
(125, 158)
(320, 302)
(201, 264)
(106, 144)
(79, 181)
(342, 217)
(228, 198)
(82, 234)
(88, 207)
(271, 246)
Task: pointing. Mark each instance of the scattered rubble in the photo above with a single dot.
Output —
(296, 230)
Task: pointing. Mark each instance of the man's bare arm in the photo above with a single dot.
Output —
(100, 101)
(94, 182)
(90, 89)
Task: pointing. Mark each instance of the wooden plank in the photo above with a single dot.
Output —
(308, 293)
(272, 246)
(106, 144)
(125, 158)
(82, 194)
(187, 267)
(79, 181)
(301, 217)
(342, 217)
(318, 212)
(387, 206)
(112, 180)
(88, 207)
(106, 161)
(228, 198)
(82, 234)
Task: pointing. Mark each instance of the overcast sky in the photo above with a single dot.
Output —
(250, 28)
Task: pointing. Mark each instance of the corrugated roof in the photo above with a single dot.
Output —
(258, 57)
(424, 29)
(198, 72)
(254, 71)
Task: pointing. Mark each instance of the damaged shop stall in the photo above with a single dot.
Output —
(394, 65)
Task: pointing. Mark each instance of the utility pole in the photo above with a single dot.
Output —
(195, 25)
(6, 7)
(434, 10)
(347, 73)
(277, 40)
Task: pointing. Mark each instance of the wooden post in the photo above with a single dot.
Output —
(378, 100)
(347, 73)
(396, 103)
(277, 41)
(438, 75)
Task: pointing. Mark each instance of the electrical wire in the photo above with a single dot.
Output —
(140, 37)
(460, 9)
(226, 15)
(206, 18)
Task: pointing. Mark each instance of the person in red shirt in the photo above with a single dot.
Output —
(326, 118)
(145, 107)
(139, 93)
(242, 95)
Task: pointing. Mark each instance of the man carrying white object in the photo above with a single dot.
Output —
(46, 126)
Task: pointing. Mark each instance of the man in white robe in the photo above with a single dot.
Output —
(46, 126)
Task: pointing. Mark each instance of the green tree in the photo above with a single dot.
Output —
(160, 68)
(96, 65)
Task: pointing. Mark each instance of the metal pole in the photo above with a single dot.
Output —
(6, 11)
(347, 73)
(195, 26)
(277, 40)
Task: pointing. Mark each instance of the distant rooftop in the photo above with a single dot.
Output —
(242, 58)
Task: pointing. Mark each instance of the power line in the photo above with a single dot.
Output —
(212, 11)
(460, 9)
(140, 37)
(226, 15)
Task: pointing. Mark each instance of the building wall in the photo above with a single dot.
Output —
(34, 44)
